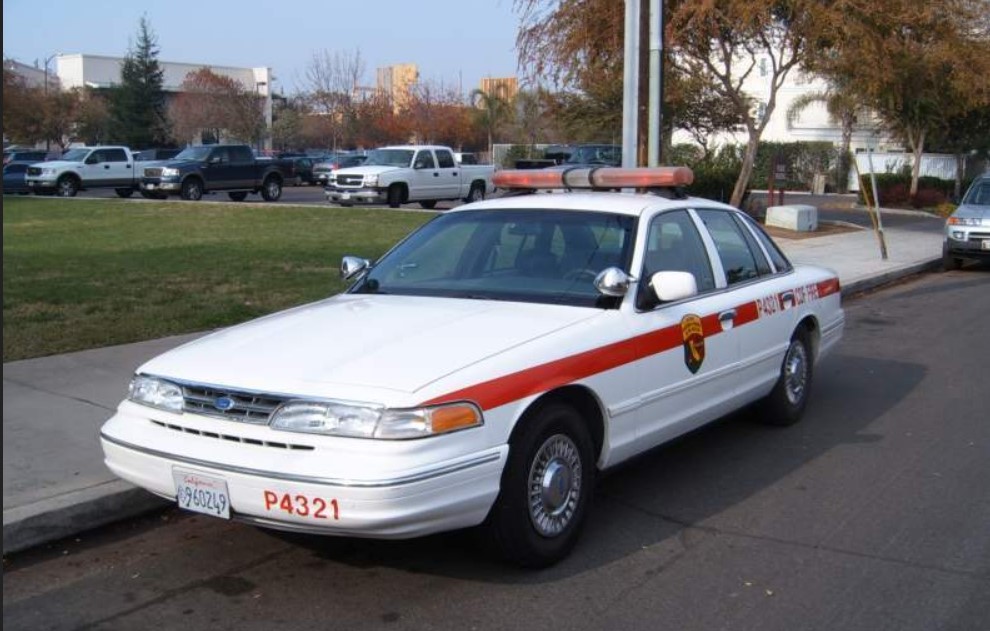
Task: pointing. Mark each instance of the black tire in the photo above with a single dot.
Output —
(67, 186)
(949, 262)
(786, 402)
(124, 192)
(271, 189)
(395, 196)
(476, 194)
(429, 204)
(546, 489)
(237, 196)
(192, 190)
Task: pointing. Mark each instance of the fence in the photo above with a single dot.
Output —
(932, 164)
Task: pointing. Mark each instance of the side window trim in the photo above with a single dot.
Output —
(713, 258)
(754, 230)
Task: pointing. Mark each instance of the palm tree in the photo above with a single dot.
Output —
(494, 110)
(842, 107)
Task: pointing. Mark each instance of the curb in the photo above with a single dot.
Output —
(885, 278)
(62, 516)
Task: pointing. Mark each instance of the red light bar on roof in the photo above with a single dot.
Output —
(604, 177)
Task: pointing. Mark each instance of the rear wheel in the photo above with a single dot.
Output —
(476, 194)
(67, 186)
(786, 402)
(237, 196)
(192, 190)
(395, 196)
(271, 190)
(546, 487)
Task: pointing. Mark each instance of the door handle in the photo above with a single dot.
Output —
(727, 319)
(106, 166)
(787, 298)
(454, 174)
(435, 174)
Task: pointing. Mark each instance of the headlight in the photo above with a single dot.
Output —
(48, 171)
(371, 180)
(157, 393)
(964, 221)
(170, 172)
(368, 421)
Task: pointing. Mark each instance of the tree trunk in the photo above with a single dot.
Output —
(749, 157)
(919, 149)
(960, 174)
(843, 183)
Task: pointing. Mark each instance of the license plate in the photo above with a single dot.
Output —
(201, 493)
(986, 244)
(149, 186)
(345, 195)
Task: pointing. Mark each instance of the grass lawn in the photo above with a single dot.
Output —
(82, 274)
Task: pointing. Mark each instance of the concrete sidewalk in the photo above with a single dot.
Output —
(54, 481)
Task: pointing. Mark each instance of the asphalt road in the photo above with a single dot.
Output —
(873, 513)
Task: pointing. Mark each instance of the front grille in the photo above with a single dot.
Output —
(34, 170)
(247, 407)
(234, 438)
(979, 236)
(153, 172)
(345, 179)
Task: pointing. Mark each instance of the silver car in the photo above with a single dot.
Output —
(967, 230)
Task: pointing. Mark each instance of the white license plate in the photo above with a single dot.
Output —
(345, 195)
(986, 244)
(149, 186)
(201, 493)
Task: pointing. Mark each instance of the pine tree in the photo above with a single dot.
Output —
(137, 104)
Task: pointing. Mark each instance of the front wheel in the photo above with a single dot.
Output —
(67, 186)
(786, 402)
(271, 190)
(124, 192)
(192, 190)
(546, 488)
(949, 262)
(394, 196)
(428, 204)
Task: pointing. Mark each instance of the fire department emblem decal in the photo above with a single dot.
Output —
(694, 342)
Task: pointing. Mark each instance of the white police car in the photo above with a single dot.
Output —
(486, 368)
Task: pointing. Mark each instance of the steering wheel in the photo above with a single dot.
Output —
(581, 273)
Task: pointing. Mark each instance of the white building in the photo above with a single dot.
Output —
(97, 71)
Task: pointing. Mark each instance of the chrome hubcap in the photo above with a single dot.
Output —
(795, 372)
(554, 485)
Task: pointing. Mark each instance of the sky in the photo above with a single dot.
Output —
(456, 42)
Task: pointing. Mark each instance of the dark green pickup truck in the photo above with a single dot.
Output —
(232, 169)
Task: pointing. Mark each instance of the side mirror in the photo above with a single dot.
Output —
(613, 282)
(671, 286)
(353, 267)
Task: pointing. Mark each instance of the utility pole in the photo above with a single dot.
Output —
(48, 141)
(655, 116)
(630, 85)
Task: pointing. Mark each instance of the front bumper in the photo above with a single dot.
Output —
(419, 499)
(968, 242)
(159, 185)
(38, 184)
(356, 195)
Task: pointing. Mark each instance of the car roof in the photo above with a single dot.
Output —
(633, 204)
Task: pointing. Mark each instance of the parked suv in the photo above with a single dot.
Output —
(967, 230)
(17, 155)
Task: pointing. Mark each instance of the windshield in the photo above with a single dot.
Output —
(978, 194)
(75, 155)
(545, 256)
(389, 158)
(594, 155)
(197, 154)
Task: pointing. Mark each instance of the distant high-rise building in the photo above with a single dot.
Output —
(397, 82)
(503, 87)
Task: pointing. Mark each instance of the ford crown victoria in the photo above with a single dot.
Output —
(487, 368)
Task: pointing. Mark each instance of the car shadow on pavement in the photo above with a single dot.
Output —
(677, 495)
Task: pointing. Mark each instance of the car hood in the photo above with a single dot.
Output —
(368, 170)
(55, 164)
(973, 211)
(354, 346)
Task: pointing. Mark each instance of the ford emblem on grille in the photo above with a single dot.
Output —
(223, 404)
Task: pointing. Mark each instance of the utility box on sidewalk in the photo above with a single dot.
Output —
(798, 217)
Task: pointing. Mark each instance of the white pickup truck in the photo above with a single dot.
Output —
(410, 173)
(85, 168)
